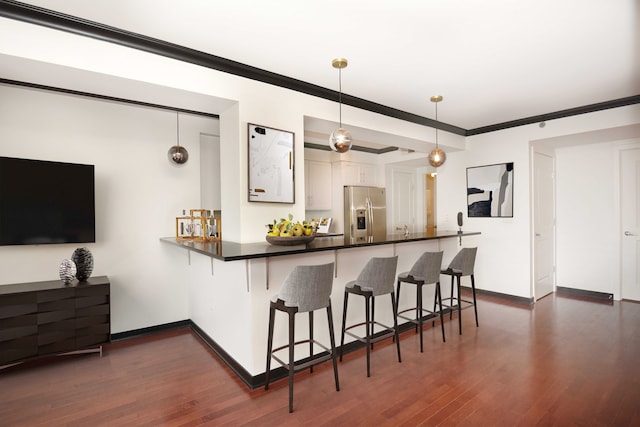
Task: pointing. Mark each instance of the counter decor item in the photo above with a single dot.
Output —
(200, 224)
(286, 232)
(84, 263)
(67, 271)
(322, 224)
(184, 226)
(289, 241)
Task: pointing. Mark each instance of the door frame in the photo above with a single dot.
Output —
(549, 153)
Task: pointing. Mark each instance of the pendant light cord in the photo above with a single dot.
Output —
(436, 125)
(178, 127)
(340, 93)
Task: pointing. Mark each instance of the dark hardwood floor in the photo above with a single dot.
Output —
(568, 361)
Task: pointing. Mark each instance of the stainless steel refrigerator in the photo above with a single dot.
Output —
(365, 214)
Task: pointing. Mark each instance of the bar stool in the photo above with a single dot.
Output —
(462, 265)
(425, 271)
(306, 288)
(375, 279)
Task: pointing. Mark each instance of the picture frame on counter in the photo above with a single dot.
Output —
(271, 165)
(323, 224)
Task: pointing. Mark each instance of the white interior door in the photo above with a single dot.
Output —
(403, 201)
(630, 213)
(544, 225)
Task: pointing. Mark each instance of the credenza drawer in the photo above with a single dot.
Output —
(45, 318)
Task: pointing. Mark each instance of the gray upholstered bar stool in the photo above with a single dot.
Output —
(425, 271)
(306, 288)
(461, 265)
(375, 279)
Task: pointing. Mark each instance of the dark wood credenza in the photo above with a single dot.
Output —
(49, 318)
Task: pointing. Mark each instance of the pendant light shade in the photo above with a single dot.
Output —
(437, 157)
(340, 139)
(178, 155)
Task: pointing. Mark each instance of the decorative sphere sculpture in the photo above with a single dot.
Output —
(84, 263)
(67, 270)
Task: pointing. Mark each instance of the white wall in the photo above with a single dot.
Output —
(504, 257)
(502, 262)
(138, 194)
(588, 217)
(587, 239)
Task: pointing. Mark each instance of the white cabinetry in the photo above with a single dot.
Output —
(317, 178)
(359, 174)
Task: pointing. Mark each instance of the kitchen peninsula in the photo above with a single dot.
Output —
(231, 283)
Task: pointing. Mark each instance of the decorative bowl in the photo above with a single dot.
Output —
(290, 241)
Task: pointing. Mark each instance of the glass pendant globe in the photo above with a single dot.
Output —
(437, 157)
(178, 155)
(340, 140)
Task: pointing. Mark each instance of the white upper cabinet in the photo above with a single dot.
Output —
(359, 174)
(317, 178)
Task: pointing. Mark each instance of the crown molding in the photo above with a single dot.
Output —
(56, 20)
(83, 27)
(615, 103)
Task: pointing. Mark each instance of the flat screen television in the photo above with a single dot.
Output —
(44, 202)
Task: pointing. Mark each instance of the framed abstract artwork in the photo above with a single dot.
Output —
(490, 191)
(271, 173)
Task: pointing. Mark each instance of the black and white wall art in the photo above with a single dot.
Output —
(490, 190)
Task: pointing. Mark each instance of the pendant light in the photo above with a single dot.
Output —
(177, 154)
(340, 139)
(437, 156)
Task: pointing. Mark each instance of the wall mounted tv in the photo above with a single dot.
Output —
(43, 202)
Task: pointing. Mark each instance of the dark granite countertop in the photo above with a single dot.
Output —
(231, 251)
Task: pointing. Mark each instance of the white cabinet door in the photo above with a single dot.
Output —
(317, 185)
(368, 175)
(359, 174)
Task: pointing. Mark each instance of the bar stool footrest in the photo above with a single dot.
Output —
(312, 361)
(387, 332)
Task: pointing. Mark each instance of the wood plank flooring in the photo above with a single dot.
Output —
(568, 361)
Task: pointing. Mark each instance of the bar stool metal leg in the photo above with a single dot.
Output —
(333, 346)
(291, 357)
(451, 299)
(344, 323)
(419, 313)
(272, 314)
(373, 316)
(311, 339)
(459, 307)
(439, 299)
(394, 307)
(475, 306)
(367, 321)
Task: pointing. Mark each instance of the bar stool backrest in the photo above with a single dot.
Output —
(308, 287)
(427, 267)
(464, 261)
(378, 275)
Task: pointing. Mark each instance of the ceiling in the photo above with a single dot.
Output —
(493, 61)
